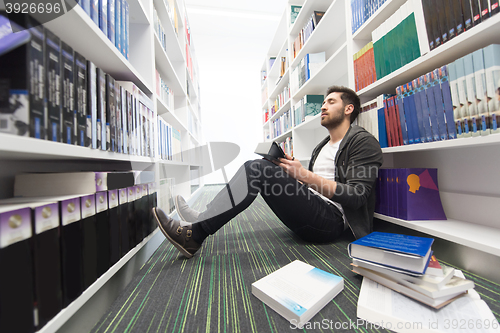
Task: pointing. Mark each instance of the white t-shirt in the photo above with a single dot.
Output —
(324, 166)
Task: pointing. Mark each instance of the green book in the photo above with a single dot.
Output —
(312, 104)
(294, 13)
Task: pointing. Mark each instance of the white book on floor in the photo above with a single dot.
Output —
(379, 306)
(298, 291)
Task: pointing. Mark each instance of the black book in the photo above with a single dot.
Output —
(53, 85)
(89, 240)
(144, 212)
(101, 110)
(138, 215)
(81, 131)
(22, 94)
(428, 24)
(449, 18)
(114, 228)
(103, 233)
(458, 16)
(131, 218)
(93, 135)
(118, 119)
(123, 218)
(494, 7)
(16, 283)
(467, 14)
(111, 111)
(439, 8)
(68, 98)
(151, 204)
(476, 12)
(270, 150)
(71, 249)
(485, 9)
(47, 260)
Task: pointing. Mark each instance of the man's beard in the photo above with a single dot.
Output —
(333, 122)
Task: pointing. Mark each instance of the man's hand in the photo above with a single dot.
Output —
(292, 167)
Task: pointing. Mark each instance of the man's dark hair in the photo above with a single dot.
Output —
(348, 96)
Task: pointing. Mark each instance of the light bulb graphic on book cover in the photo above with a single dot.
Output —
(419, 199)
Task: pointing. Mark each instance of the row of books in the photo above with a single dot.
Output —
(164, 92)
(399, 40)
(281, 99)
(112, 17)
(67, 99)
(307, 68)
(306, 32)
(446, 19)
(406, 264)
(282, 124)
(287, 146)
(170, 147)
(159, 30)
(173, 14)
(364, 67)
(475, 92)
(265, 116)
(409, 194)
(308, 106)
(57, 246)
(362, 10)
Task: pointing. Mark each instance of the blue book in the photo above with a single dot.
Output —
(103, 16)
(424, 108)
(94, 11)
(118, 24)
(402, 118)
(409, 253)
(431, 101)
(126, 18)
(382, 130)
(418, 121)
(111, 21)
(409, 119)
(448, 104)
(443, 133)
(85, 4)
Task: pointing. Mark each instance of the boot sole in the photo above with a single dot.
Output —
(174, 243)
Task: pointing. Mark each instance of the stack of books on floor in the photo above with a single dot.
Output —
(406, 265)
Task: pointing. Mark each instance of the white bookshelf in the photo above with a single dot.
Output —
(469, 191)
(25, 154)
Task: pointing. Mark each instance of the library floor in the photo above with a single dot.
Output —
(212, 291)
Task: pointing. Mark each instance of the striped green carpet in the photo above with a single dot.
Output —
(212, 291)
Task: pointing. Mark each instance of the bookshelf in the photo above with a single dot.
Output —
(146, 56)
(468, 190)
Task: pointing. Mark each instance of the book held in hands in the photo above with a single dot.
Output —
(298, 291)
(269, 150)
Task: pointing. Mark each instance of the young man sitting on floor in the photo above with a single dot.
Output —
(317, 204)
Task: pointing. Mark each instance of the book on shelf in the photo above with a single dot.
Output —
(53, 92)
(483, 120)
(80, 95)
(67, 93)
(111, 21)
(111, 113)
(492, 70)
(269, 150)
(294, 12)
(298, 291)
(462, 95)
(417, 191)
(103, 16)
(23, 111)
(16, 285)
(102, 132)
(410, 253)
(70, 183)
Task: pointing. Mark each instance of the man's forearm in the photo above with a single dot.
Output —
(322, 185)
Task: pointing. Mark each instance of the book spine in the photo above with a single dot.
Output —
(118, 25)
(492, 70)
(416, 110)
(471, 95)
(111, 21)
(402, 117)
(440, 116)
(483, 119)
(432, 106)
(103, 16)
(447, 102)
(462, 95)
(68, 102)
(92, 132)
(111, 111)
(81, 92)
(408, 116)
(53, 86)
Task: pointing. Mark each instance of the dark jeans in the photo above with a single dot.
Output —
(303, 212)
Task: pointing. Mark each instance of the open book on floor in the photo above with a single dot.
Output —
(298, 291)
(386, 308)
(269, 150)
